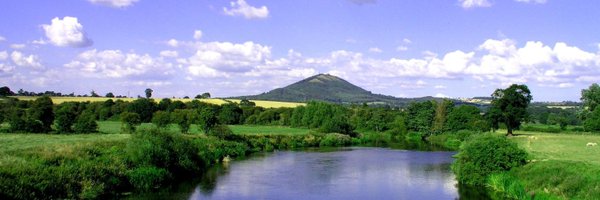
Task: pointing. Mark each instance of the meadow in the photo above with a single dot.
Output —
(561, 166)
(261, 103)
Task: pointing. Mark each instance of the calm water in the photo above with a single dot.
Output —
(349, 173)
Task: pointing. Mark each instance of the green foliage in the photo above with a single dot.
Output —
(143, 107)
(592, 123)
(129, 120)
(485, 155)
(335, 140)
(421, 115)
(183, 119)
(221, 131)
(147, 178)
(65, 117)
(510, 106)
(161, 119)
(230, 114)
(465, 117)
(207, 118)
(85, 123)
(591, 97)
(42, 110)
(162, 149)
(148, 93)
(566, 179)
(442, 109)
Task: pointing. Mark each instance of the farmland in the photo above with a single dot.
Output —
(261, 103)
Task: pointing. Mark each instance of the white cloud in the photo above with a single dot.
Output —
(440, 87)
(17, 46)
(532, 1)
(173, 43)
(440, 95)
(227, 57)
(114, 3)
(401, 48)
(197, 34)
(375, 50)
(241, 8)
(406, 41)
(22, 60)
(474, 3)
(116, 64)
(2, 39)
(66, 32)
(363, 2)
(3, 55)
(171, 54)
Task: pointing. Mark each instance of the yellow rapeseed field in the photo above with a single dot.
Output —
(265, 104)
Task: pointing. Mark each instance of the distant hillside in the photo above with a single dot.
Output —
(325, 87)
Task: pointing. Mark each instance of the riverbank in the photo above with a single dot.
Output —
(561, 166)
(88, 166)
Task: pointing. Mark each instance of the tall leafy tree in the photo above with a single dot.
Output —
(510, 106)
(148, 92)
(65, 117)
(41, 110)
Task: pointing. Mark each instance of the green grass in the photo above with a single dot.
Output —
(561, 164)
(114, 127)
(267, 130)
(565, 147)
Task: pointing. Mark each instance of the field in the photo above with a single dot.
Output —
(567, 147)
(265, 104)
(561, 164)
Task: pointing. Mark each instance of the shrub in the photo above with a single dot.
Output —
(161, 119)
(85, 123)
(335, 140)
(592, 123)
(129, 120)
(485, 155)
(146, 178)
(221, 131)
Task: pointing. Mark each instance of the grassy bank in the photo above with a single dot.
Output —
(562, 166)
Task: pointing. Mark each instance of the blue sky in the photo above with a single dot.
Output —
(453, 48)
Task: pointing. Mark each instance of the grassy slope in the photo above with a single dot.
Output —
(265, 104)
(561, 164)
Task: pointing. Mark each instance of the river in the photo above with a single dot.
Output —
(344, 173)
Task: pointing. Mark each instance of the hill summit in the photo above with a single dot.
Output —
(329, 88)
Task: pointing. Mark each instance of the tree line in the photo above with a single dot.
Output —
(509, 108)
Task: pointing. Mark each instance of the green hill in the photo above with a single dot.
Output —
(329, 88)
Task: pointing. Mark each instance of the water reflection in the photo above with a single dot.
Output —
(361, 173)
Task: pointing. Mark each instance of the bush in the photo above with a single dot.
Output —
(335, 140)
(592, 123)
(221, 131)
(146, 178)
(85, 123)
(129, 120)
(485, 155)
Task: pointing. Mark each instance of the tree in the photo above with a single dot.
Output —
(41, 110)
(148, 92)
(86, 123)
(128, 121)
(143, 107)
(591, 97)
(183, 118)
(5, 91)
(94, 94)
(230, 114)
(205, 95)
(207, 118)
(512, 105)
(161, 119)
(442, 109)
(110, 95)
(246, 103)
(65, 117)
(463, 117)
(421, 116)
(592, 122)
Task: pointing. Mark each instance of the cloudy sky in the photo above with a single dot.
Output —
(409, 48)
